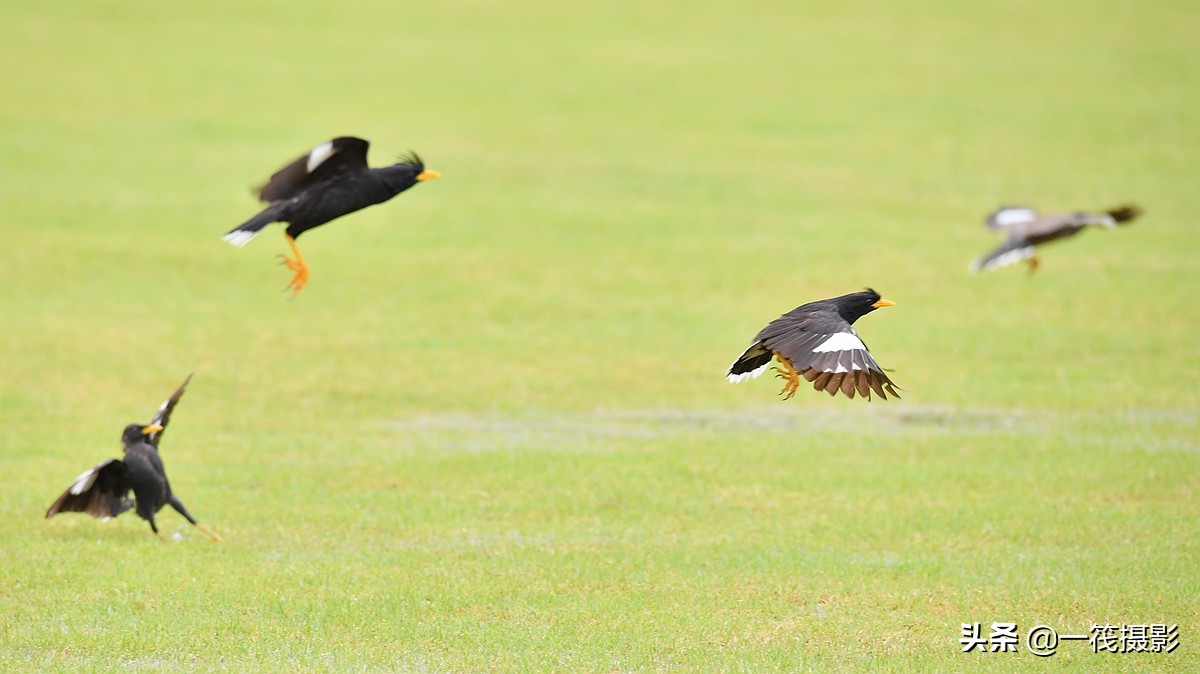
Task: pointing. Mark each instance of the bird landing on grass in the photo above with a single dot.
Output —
(330, 181)
(103, 491)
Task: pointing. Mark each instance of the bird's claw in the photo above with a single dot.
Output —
(791, 383)
(300, 278)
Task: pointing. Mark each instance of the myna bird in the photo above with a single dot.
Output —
(104, 490)
(817, 341)
(325, 184)
(1025, 228)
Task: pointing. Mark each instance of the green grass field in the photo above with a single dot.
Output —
(493, 433)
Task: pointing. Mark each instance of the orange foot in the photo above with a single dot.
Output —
(1033, 264)
(788, 374)
(296, 264)
(300, 278)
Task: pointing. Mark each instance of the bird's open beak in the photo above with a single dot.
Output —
(883, 303)
(152, 428)
(428, 174)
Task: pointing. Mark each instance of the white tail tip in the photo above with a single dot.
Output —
(239, 237)
(743, 376)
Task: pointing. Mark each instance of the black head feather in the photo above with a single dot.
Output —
(411, 159)
(856, 305)
(135, 433)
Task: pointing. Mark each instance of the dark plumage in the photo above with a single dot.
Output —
(325, 184)
(104, 490)
(816, 341)
(1025, 228)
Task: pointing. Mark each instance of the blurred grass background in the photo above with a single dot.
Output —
(492, 433)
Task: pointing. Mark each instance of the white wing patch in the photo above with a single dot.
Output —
(319, 154)
(84, 482)
(841, 341)
(239, 237)
(1013, 216)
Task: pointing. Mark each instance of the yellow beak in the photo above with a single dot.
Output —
(152, 428)
(883, 303)
(428, 174)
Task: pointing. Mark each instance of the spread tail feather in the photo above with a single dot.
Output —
(750, 364)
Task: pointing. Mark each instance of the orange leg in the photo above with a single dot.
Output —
(297, 265)
(208, 531)
(1033, 264)
(789, 375)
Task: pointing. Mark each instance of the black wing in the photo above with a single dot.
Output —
(163, 416)
(835, 362)
(340, 155)
(1013, 250)
(100, 492)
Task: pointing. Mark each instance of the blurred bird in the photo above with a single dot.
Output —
(1025, 228)
(816, 341)
(327, 183)
(103, 491)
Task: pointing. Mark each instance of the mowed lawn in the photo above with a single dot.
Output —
(493, 433)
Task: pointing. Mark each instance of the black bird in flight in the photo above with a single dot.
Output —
(103, 491)
(817, 341)
(1025, 229)
(325, 184)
